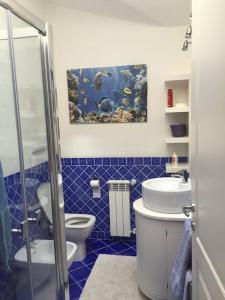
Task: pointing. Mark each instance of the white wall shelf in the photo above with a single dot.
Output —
(173, 169)
(169, 110)
(179, 113)
(180, 77)
(177, 140)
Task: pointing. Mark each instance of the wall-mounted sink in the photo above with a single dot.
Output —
(166, 194)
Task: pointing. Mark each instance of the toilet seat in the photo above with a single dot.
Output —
(79, 221)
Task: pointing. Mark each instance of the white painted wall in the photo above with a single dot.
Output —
(35, 6)
(83, 39)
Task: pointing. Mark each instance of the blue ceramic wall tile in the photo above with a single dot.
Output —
(130, 161)
(122, 161)
(90, 161)
(75, 161)
(147, 160)
(156, 161)
(138, 161)
(82, 161)
(114, 161)
(78, 194)
(98, 161)
(164, 160)
(182, 159)
(106, 161)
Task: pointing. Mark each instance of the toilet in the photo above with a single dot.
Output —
(78, 227)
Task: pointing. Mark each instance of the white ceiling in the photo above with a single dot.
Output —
(155, 12)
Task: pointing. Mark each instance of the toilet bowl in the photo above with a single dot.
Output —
(78, 226)
(78, 229)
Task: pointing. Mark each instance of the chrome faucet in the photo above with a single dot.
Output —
(22, 231)
(33, 244)
(182, 174)
(36, 219)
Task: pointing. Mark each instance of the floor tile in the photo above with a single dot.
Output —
(119, 247)
(91, 258)
(96, 245)
(80, 274)
(76, 290)
(80, 271)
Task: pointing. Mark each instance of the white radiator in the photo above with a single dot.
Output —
(119, 206)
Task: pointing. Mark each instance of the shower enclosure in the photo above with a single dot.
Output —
(29, 156)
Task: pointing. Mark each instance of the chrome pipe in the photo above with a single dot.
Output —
(16, 232)
(25, 233)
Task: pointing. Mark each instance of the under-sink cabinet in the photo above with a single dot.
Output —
(158, 237)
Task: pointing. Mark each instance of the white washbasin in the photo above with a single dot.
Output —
(166, 194)
(43, 259)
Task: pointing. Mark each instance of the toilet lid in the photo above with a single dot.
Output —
(44, 197)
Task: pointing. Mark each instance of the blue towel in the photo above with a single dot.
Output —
(187, 285)
(5, 225)
(182, 263)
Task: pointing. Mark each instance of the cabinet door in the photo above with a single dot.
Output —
(174, 236)
(151, 257)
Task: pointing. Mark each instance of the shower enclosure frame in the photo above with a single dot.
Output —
(52, 130)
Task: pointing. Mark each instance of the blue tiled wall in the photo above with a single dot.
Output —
(34, 177)
(77, 173)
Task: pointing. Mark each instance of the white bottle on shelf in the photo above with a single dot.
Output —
(174, 161)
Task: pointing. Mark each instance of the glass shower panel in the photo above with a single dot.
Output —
(27, 52)
(11, 200)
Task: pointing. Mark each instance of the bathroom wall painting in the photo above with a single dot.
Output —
(108, 94)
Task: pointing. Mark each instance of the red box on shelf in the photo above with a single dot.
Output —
(170, 98)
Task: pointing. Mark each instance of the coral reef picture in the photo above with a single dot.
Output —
(108, 95)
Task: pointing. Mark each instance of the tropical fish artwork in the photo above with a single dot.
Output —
(108, 94)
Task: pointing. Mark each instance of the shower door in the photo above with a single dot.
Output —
(11, 202)
(37, 264)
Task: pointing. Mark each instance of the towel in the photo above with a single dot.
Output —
(5, 224)
(187, 285)
(182, 263)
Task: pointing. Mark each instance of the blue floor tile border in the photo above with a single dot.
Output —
(80, 271)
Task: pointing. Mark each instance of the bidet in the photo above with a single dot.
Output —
(42, 266)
